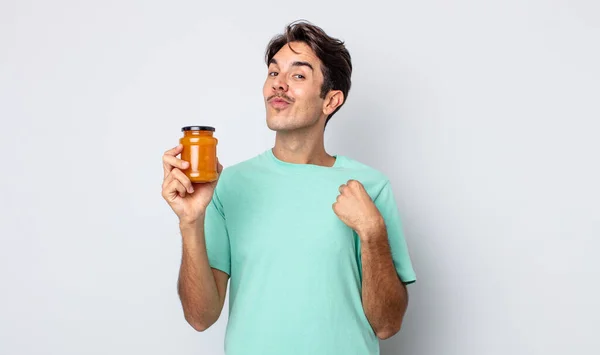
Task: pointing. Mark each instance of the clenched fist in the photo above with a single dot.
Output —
(356, 209)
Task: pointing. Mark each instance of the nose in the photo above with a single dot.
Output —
(279, 84)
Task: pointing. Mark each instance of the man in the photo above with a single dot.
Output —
(312, 243)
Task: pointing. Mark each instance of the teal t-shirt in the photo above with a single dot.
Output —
(294, 266)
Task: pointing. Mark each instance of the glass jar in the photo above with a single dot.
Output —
(200, 150)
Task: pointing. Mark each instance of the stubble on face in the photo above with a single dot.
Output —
(298, 84)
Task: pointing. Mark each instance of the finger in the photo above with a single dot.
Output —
(219, 166)
(167, 181)
(183, 179)
(336, 208)
(176, 162)
(174, 188)
(170, 153)
(342, 187)
(174, 151)
(177, 186)
(170, 162)
(354, 183)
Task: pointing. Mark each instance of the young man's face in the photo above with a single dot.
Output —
(292, 89)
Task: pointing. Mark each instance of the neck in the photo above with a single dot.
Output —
(302, 148)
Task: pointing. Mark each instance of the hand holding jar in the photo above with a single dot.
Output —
(189, 182)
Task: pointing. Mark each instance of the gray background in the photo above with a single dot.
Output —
(483, 114)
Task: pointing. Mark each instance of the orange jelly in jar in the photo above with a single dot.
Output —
(200, 150)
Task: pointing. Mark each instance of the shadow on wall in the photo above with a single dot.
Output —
(370, 135)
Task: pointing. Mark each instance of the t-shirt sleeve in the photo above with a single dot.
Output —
(216, 236)
(386, 204)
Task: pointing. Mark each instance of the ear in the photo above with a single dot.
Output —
(333, 100)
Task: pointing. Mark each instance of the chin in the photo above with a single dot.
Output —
(276, 124)
(281, 123)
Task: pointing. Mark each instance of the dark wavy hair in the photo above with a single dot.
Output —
(335, 58)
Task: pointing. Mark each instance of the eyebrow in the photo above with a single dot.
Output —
(294, 64)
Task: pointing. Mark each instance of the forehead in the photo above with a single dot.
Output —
(301, 52)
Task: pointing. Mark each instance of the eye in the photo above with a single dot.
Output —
(300, 76)
(273, 73)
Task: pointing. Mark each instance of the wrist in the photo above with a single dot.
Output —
(373, 230)
(191, 223)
